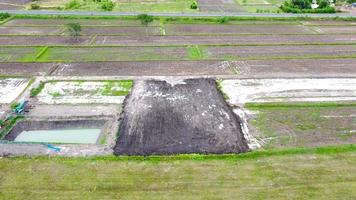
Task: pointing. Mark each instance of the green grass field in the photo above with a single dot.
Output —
(325, 173)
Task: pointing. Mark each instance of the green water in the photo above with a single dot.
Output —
(76, 136)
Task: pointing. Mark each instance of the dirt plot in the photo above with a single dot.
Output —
(114, 53)
(219, 6)
(258, 52)
(11, 88)
(43, 40)
(295, 68)
(25, 69)
(106, 30)
(83, 22)
(237, 40)
(180, 116)
(10, 6)
(148, 68)
(329, 22)
(335, 29)
(289, 90)
(196, 29)
(30, 30)
(18, 53)
(304, 127)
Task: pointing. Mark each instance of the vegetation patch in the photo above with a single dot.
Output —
(35, 91)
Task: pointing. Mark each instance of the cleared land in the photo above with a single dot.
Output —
(219, 6)
(11, 88)
(321, 174)
(307, 126)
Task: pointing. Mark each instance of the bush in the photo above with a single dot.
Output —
(4, 16)
(73, 4)
(107, 5)
(194, 5)
(74, 29)
(351, 1)
(223, 20)
(145, 19)
(35, 91)
(323, 3)
(34, 6)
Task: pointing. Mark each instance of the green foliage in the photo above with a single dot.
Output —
(145, 19)
(8, 124)
(4, 16)
(35, 91)
(117, 88)
(34, 6)
(73, 4)
(194, 6)
(220, 88)
(74, 29)
(14, 105)
(304, 6)
(223, 20)
(351, 1)
(107, 5)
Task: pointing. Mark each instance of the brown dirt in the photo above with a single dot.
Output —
(121, 30)
(336, 29)
(25, 69)
(296, 68)
(188, 117)
(83, 22)
(257, 52)
(148, 68)
(180, 29)
(42, 40)
(246, 39)
(30, 30)
(219, 6)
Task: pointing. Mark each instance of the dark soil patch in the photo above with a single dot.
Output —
(121, 30)
(257, 52)
(336, 29)
(83, 22)
(238, 40)
(43, 40)
(26, 69)
(147, 68)
(30, 30)
(296, 68)
(234, 29)
(219, 6)
(187, 117)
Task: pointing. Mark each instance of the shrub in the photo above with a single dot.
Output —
(4, 16)
(74, 29)
(73, 4)
(323, 3)
(107, 5)
(35, 91)
(304, 6)
(145, 19)
(222, 20)
(194, 5)
(351, 1)
(34, 6)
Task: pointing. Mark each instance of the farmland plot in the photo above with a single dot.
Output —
(75, 92)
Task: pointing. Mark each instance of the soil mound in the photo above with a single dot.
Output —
(186, 116)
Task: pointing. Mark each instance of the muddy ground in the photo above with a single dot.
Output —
(30, 30)
(26, 69)
(195, 29)
(219, 6)
(335, 29)
(43, 40)
(188, 116)
(83, 22)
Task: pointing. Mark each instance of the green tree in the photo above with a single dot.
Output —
(145, 19)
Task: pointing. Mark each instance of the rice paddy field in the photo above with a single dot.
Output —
(163, 93)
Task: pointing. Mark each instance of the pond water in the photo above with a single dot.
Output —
(76, 136)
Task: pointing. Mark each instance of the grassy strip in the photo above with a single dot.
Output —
(220, 89)
(186, 19)
(9, 124)
(326, 150)
(41, 52)
(299, 105)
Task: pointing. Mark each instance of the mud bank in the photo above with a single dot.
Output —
(172, 117)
